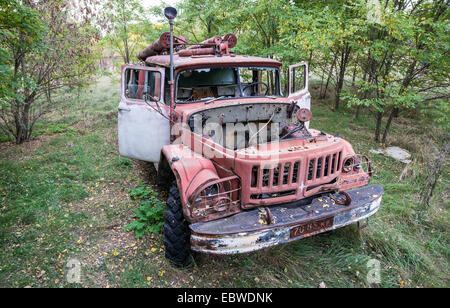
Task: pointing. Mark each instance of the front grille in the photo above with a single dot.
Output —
(291, 176)
(275, 176)
(323, 166)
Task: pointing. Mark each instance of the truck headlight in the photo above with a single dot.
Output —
(211, 198)
(351, 163)
(218, 198)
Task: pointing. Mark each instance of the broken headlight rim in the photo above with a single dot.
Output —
(209, 191)
(211, 198)
(347, 164)
(351, 163)
(215, 196)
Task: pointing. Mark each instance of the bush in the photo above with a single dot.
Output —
(149, 216)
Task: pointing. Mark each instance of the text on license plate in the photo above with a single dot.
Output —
(311, 227)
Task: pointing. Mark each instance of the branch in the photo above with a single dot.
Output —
(436, 97)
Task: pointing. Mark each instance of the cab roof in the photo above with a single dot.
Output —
(210, 60)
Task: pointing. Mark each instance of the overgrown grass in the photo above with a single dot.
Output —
(66, 195)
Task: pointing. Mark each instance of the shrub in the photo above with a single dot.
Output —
(149, 215)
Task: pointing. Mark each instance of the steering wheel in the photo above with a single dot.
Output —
(257, 83)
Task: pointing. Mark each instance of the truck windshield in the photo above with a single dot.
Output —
(203, 84)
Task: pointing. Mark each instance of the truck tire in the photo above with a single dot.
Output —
(176, 231)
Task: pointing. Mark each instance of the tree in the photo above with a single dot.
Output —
(404, 59)
(326, 34)
(425, 61)
(199, 18)
(125, 24)
(43, 51)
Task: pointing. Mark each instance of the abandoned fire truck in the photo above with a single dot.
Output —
(242, 168)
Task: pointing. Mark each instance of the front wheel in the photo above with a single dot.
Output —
(176, 231)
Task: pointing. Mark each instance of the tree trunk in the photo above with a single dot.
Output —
(321, 82)
(394, 111)
(208, 29)
(357, 111)
(22, 112)
(354, 73)
(358, 108)
(378, 128)
(125, 30)
(342, 68)
(322, 95)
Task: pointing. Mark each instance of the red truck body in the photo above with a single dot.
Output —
(241, 195)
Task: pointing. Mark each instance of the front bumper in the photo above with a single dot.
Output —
(244, 232)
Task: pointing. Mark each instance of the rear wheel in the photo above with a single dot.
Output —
(176, 230)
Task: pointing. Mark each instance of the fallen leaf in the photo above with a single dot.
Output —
(41, 274)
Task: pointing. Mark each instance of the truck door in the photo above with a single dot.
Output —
(298, 85)
(143, 131)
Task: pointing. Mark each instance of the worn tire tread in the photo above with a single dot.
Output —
(176, 231)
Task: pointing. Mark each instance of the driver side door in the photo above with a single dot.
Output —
(143, 131)
(298, 86)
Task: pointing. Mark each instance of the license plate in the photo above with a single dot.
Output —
(311, 227)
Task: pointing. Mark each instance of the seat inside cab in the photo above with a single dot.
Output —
(209, 82)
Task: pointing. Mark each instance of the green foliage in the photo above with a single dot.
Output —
(149, 215)
(440, 112)
(21, 31)
(124, 162)
(141, 192)
(43, 52)
(128, 28)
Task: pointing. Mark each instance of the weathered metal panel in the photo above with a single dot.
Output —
(142, 131)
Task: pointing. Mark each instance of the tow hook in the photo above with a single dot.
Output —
(342, 201)
(265, 216)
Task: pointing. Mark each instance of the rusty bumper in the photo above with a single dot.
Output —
(246, 232)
